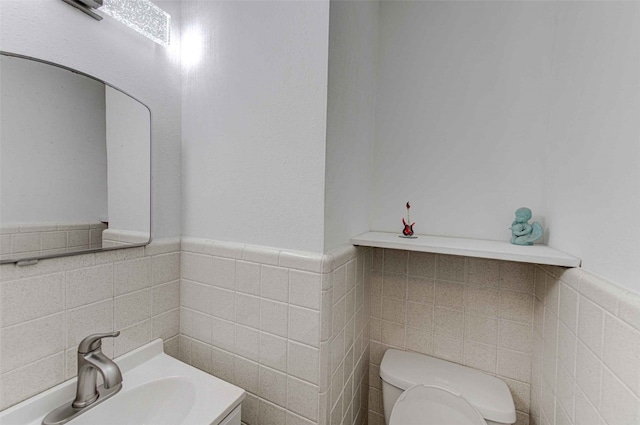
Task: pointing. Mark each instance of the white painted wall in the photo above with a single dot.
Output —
(254, 122)
(592, 175)
(462, 101)
(353, 37)
(487, 106)
(54, 31)
(52, 130)
(128, 153)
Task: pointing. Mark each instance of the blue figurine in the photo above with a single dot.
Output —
(523, 233)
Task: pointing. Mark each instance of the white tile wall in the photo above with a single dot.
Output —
(476, 312)
(345, 337)
(19, 241)
(47, 308)
(304, 333)
(264, 320)
(586, 365)
(253, 316)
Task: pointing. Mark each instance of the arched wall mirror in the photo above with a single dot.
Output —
(75, 163)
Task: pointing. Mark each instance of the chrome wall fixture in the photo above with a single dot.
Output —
(141, 16)
(86, 6)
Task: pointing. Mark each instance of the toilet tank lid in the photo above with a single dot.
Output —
(488, 394)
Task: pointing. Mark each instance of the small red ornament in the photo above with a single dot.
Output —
(408, 228)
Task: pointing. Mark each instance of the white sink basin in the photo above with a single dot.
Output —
(157, 390)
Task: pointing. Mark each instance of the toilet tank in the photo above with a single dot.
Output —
(401, 370)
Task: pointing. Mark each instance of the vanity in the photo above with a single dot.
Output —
(157, 389)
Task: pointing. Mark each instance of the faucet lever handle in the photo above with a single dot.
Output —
(93, 342)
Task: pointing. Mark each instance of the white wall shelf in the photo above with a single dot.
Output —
(498, 250)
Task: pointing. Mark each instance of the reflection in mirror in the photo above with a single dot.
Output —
(74, 163)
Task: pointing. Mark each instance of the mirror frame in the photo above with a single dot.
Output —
(34, 259)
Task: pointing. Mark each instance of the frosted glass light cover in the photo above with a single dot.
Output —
(141, 16)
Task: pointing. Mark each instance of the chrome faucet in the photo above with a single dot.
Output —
(91, 361)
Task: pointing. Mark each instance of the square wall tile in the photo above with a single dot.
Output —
(247, 277)
(569, 307)
(274, 283)
(395, 261)
(131, 275)
(246, 374)
(247, 342)
(166, 297)
(481, 329)
(450, 268)
(274, 317)
(517, 277)
(132, 308)
(420, 316)
(480, 356)
(394, 310)
(514, 365)
(30, 242)
(223, 303)
(196, 325)
(166, 325)
(132, 338)
(590, 325)
(480, 300)
(86, 286)
(31, 298)
(196, 267)
(450, 295)
(449, 321)
(224, 273)
(483, 273)
(196, 296)
(447, 347)
(540, 283)
(393, 334)
(517, 306)
(621, 352)
(222, 334)
(271, 414)
(394, 286)
(629, 309)
(247, 310)
(31, 341)
(223, 364)
(304, 326)
(515, 336)
(567, 346)
(619, 405)
(273, 386)
(22, 383)
(165, 268)
(273, 351)
(304, 289)
(87, 320)
(201, 356)
(303, 362)
(420, 340)
(421, 290)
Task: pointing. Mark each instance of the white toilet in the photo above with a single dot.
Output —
(423, 390)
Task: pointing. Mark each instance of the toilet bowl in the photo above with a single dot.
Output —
(423, 390)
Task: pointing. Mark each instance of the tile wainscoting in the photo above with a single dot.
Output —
(470, 311)
(47, 308)
(586, 357)
(288, 327)
(304, 333)
(20, 241)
